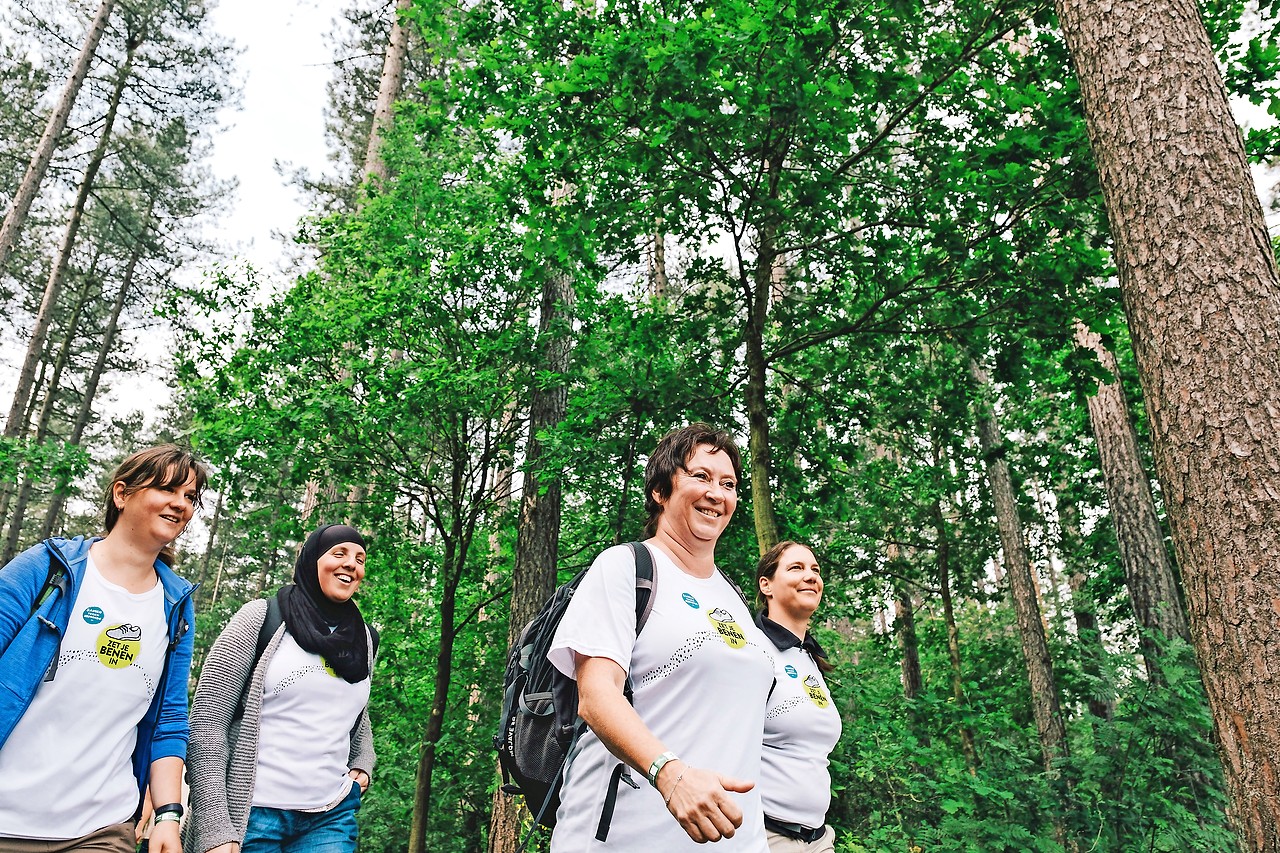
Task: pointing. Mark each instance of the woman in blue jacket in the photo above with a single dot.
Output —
(95, 651)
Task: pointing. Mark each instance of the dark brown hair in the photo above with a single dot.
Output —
(166, 466)
(766, 568)
(672, 452)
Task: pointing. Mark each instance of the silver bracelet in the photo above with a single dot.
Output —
(666, 801)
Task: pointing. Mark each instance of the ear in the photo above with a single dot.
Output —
(117, 494)
(765, 585)
(658, 498)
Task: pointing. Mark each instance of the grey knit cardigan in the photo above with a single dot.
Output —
(223, 752)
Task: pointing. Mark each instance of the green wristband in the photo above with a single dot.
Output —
(658, 763)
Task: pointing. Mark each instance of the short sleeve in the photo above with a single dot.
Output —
(600, 620)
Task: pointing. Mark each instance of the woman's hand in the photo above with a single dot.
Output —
(700, 800)
(229, 847)
(165, 837)
(361, 777)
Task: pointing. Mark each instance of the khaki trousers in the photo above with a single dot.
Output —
(109, 839)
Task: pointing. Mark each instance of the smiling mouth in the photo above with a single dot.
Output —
(171, 518)
(710, 513)
(344, 578)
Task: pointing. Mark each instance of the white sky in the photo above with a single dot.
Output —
(284, 68)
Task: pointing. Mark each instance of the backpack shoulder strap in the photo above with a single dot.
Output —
(373, 637)
(271, 624)
(646, 583)
(56, 579)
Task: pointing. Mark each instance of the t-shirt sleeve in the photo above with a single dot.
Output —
(600, 620)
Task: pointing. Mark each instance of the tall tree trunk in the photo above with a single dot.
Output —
(435, 722)
(1202, 296)
(99, 366)
(757, 399)
(388, 90)
(26, 193)
(904, 623)
(1148, 568)
(943, 538)
(42, 421)
(1083, 607)
(16, 424)
(533, 578)
(1023, 587)
(213, 537)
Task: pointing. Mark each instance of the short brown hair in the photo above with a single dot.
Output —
(165, 466)
(670, 455)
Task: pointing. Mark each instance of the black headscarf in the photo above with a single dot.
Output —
(309, 614)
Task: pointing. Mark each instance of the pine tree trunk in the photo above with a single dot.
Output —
(95, 375)
(26, 193)
(1083, 607)
(943, 540)
(533, 578)
(1196, 271)
(16, 424)
(1023, 587)
(60, 360)
(1148, 568)
(388, 90)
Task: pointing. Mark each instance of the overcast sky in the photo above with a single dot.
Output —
(284, 67)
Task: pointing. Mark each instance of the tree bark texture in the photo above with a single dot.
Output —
(16, 424)
(1023, 586)
(26, 193)
(388, 90)
(533, 577)
(1148, 568)
(1200, 290)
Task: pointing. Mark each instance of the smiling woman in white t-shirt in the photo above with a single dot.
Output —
(802, 725)
(95, 651)
(281, 748)
(700, 672)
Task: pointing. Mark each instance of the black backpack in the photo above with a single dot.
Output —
(540, 722)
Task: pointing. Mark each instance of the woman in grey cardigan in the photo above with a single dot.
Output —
(281, 748)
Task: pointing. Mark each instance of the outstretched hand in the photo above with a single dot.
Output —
(700, 800)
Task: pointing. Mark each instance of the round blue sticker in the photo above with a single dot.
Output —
(92, 615)
(791, 671)
(690, 600)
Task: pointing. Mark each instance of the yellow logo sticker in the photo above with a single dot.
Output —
(329, 667)
(814, 688)
(119, 645)
(727, 628)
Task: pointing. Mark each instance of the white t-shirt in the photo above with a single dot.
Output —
(801, 728)
(701, 672)
(67, 768)
(304, 739)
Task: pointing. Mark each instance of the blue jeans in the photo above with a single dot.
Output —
(288, 831)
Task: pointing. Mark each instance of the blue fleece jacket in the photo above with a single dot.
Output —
(28, 646)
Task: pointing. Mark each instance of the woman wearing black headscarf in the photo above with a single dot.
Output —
(281, 748)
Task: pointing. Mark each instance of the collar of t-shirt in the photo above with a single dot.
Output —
(784, 639)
